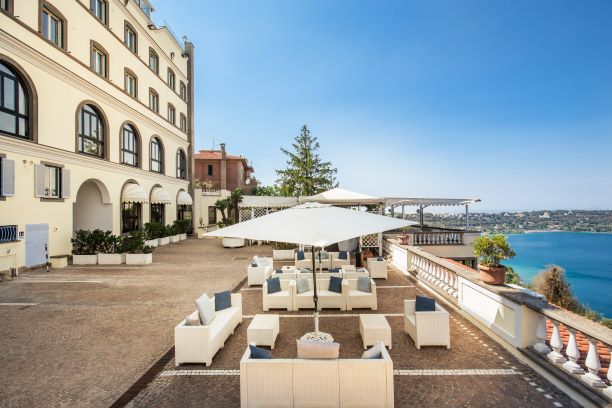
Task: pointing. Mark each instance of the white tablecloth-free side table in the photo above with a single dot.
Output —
(263, 330)
(373, 328)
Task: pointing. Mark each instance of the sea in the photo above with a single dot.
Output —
(586, 258)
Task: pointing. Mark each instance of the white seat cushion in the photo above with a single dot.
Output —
(282, 293)
(327, 293)
(358, 293)
(310, 293)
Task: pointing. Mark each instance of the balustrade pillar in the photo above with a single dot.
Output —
(556, 343)
(573, 354)
(541, 334)
(593, 365)
(608, 390)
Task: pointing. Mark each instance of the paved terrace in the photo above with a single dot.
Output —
(92, 332)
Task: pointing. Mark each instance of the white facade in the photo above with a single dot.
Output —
(71, 60)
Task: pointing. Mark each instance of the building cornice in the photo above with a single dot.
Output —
(48, 153)
(52, 67)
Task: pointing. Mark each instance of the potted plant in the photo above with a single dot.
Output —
(403, 237)
(152, 233)
(164, 238)
(181, 227)
(84, 248)
(108, 248)
(492, 249)
(173, 233)
(136, 252)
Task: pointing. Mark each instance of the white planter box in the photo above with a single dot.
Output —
(283, 254)
(138, 259)
(152, 242)
(174, 238)
(183, 237)
(111, 259)
(84, 259)
(164, 241)
(232, 242)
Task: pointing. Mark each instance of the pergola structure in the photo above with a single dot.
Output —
(256, 206)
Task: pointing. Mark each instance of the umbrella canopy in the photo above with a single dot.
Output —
(313, 224)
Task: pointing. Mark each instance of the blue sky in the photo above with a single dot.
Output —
(509, 101)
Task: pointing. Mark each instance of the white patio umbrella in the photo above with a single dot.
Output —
(314, 224)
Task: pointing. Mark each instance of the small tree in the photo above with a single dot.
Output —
(306, 173)
(267, 191)
(234, 200)
(553, 284)
(492, 249)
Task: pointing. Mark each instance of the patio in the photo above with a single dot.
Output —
(476, 371)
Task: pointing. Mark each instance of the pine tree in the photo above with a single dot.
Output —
(306, 173)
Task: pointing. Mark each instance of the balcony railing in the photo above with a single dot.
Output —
(578, 348)
(437, 238)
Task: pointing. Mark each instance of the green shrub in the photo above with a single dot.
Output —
(107, 243)
(83, 243)
(133, 243)
(153, 230)
(492, 249)
(512, 276)
(182, 226)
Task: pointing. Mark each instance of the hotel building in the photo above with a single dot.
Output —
(96, 123)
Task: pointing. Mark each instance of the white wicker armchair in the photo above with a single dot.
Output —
(339, 263)
(378, 269)
(279, 300)
(199, 344)
(356, 299)
(307, 261)
(427, 328)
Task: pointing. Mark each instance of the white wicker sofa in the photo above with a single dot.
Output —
(199, 344)
(285, 382)
(356, 299)
(279, 300)
(327, 298)
(307, 261)
(427, 328)
(378, 269)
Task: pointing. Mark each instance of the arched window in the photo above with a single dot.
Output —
(181, 164)
(183, 123)
(157, 156)
(92, 132)
(130, 146)
(153, 61)
(99, 8)
(171, 79)
(171, 114)
(14, 103)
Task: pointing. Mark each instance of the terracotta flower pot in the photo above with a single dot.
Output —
(402, 239)
(492, 275)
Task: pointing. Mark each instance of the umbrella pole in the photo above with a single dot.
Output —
(315, 296)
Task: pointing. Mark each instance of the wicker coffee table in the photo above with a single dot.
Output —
(373, 328)
(263, 330)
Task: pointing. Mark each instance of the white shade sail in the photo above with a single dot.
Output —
(160, 195)
(133, 193)
(184, 198)
(341, 196)
(311, 224)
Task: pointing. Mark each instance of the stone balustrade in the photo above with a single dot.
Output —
(570, 345)
(437, 238)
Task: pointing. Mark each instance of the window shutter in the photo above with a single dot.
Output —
(8, 177)
(39, 180)
(65, 183)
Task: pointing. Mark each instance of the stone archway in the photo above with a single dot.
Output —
(93, 208)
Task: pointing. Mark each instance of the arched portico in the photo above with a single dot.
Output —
(93, 208)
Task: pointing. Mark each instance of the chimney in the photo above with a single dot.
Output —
(223, 168)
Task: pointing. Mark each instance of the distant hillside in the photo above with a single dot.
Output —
(516, 222)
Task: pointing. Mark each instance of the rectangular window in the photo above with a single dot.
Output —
(131, 85)
(171, 115)
(154, 101)
(100, 10)
(171, 79)
(4, 5)
(129, 37)
(154, 61)
(183, 91)
(53, 182)
(210, 169)
(157, 213)
(99, 62)
(130, 216)
(52, 28)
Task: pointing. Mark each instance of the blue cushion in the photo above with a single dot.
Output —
(223, 300)
(335, 284)
(343, 255)
(334, 270)
(380, 258)
(257, 352)
(279, 271)
(273, 285)
(300, 255)
(424, 304)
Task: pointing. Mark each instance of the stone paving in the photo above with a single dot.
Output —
(475, 372)
(81, 336)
